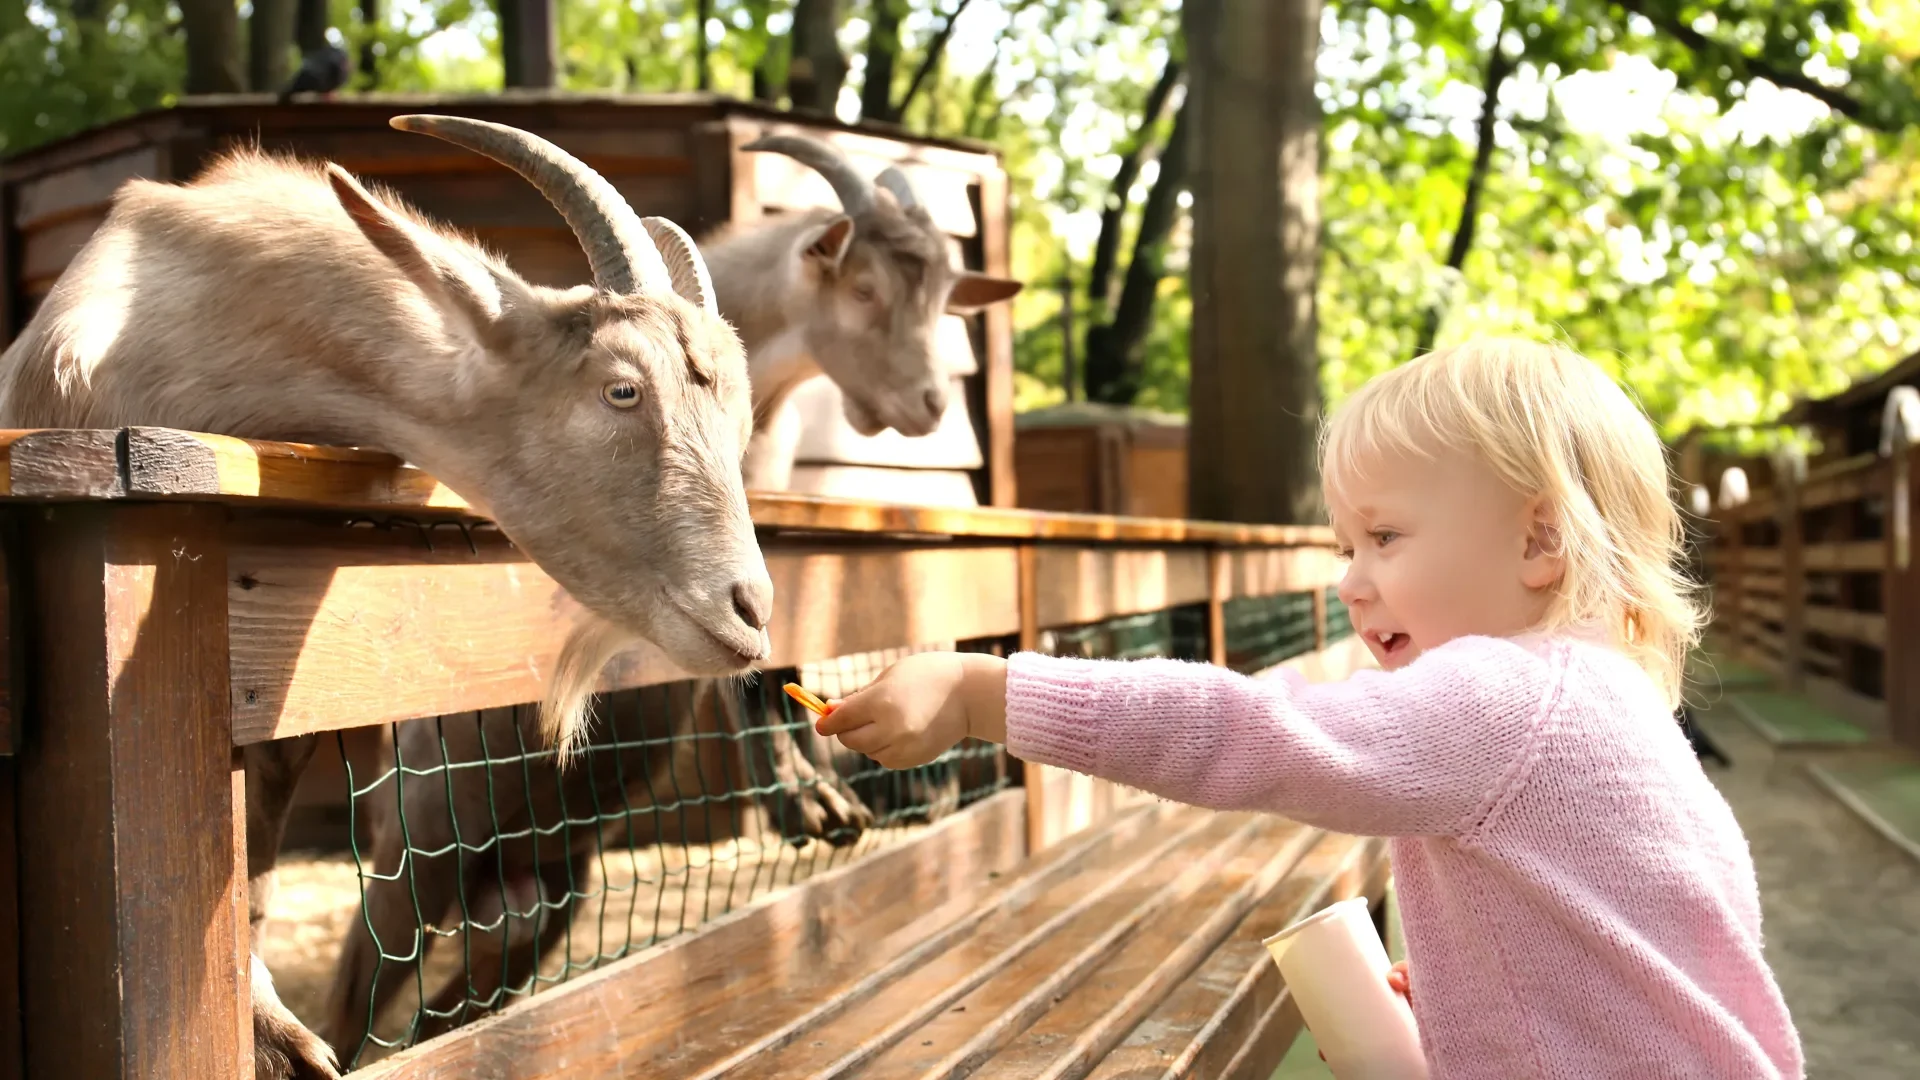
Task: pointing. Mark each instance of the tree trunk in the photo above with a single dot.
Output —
(1498, 68)
(310, 25)
(269, 34)
(764, 89)
(702, 63)
(528, 56)
(369, 64)
(1106, 250)
(1255, 401)
(1069, 376)
(213, 46)
(1115, 366)
(816, 68)
(883, 52)
(930, 63)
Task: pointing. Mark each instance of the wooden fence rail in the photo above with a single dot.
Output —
(173, 596)
(1810, 584)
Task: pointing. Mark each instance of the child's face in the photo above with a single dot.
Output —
(1441, 548)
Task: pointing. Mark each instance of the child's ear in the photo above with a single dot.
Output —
(1544, 562)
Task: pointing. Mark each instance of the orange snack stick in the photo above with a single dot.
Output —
(805, 697)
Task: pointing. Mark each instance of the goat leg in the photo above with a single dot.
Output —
(822, 805)
(283, 1047)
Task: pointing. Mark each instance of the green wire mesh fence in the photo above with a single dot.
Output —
(484, 873)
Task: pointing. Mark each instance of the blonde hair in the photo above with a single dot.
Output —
(1551, 424)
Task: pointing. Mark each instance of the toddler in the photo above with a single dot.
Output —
(1578, 899)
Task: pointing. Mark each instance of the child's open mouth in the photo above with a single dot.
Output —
(1391, 642)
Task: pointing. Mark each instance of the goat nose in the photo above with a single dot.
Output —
(936, 400)
(753, 601)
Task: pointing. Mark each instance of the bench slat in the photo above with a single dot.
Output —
(1207, 868)
(1018, 945)
(1234, 1005)
(1082, 1028)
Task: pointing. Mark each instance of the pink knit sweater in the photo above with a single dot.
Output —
(1578, 899)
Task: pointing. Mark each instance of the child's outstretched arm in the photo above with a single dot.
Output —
(1427, 750)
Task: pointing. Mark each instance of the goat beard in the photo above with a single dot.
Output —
(590, 643)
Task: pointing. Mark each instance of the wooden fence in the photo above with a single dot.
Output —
(1813, 582)
(172, 597)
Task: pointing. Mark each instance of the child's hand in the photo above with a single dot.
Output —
(1397, 979)
(921, 706)
(1401, 982)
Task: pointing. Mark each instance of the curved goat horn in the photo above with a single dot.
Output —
(684, 264)
(855, 191)
(618, 247)
(897, 183)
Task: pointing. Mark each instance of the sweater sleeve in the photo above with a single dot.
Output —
(1427, 750)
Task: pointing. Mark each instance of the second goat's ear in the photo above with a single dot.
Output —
(829, 245)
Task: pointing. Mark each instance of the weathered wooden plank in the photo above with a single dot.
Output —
(12, 1064)
(131, 916)
(997, 375)
(682, 995)
(1847, 555)
(1867, 627)
(1086, 1022)
(1087, 584)
(1267, 571)
(86, 188)
(1237, 996)
(1849, 480)
(348, 627)
(987, 984)
(76, 463)
(247, 471)
(46, 251)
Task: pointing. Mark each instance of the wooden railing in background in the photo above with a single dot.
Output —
(1811, 584)
(188, 594)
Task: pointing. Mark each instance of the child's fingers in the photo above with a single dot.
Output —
(866, 739)
(841, 718)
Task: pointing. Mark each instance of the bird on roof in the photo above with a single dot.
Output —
(322, 71)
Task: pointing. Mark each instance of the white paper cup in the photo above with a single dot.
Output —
(1336, 968)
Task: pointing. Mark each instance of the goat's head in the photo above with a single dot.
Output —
(602, 426)
(874, 281)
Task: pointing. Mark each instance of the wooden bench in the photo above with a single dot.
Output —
(1131, 949)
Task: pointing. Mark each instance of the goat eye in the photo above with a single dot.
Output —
(621, 395)
(864, 293)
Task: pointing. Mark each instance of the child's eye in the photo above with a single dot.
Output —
(1383, 537)
(1344, 554)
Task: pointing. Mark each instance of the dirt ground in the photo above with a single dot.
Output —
(1840, 910)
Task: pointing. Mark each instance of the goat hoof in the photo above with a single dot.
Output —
(283, 1047)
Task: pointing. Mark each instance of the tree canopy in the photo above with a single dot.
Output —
(1718, 199)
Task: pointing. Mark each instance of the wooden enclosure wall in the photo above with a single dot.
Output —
(1102, 468)
(677, 156)
(1812, 583)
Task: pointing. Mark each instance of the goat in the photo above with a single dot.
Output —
(854, 293)
(602, 427)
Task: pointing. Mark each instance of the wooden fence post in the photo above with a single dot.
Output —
(1793, 576)
(1032, 775)
(1727, 582)
(1900, 584)
(1219, 587)
(133, 916)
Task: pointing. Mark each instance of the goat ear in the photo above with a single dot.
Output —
(972, 291)
(830, 244)
(445, 277)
